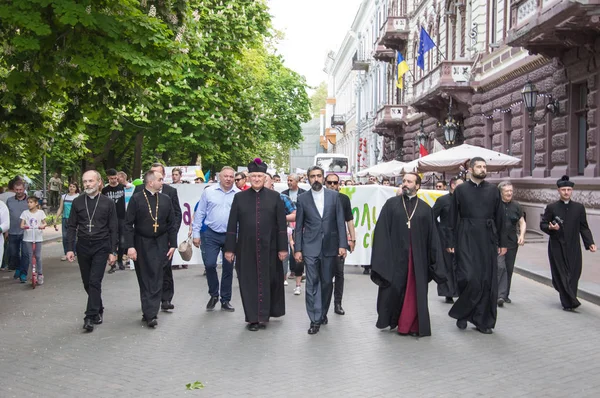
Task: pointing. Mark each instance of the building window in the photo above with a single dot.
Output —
(489, 133)
(580, 94)
(493, 18)
(507, 131)
(399, 148)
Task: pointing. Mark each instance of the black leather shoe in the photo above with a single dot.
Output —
(569, 309)
(253, 327)
(166, 305)
(152, 323)
(313, 329)
(88, 325)
(113, 269)
(461, 324)
(413, 334)
(367, 271)
(484, 330)
(225, 306)
(337, 308)
(97, 320)
(507, 300)
(324, 320)
(501, 302)
(449, 300)
(211, 303)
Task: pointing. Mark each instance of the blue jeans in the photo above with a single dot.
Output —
(65, 228)
(18, 254)
(212, 244)
(38, 256)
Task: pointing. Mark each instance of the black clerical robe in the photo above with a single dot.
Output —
(393, 242)
(256, 231)
(564, 249)
(441, 211)
(151, 244)
(476, 228)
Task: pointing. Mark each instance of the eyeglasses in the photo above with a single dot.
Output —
(332, 182)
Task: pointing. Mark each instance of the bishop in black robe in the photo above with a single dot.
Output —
(256, 232)
(403, 262)
(152, 241)
(564, 249)
(476, 228)
(441, 210)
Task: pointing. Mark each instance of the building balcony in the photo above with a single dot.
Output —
(384, 54)
(551, 27)
(360, 63)
(390, 119)
(338, 120)
(431, 93)
(394, 33)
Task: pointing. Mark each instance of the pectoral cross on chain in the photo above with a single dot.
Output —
(90, 225)
(408, 223)
(155, 225)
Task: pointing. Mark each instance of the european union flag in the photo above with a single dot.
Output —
(425, 44)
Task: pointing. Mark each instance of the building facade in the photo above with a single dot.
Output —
(485, 53)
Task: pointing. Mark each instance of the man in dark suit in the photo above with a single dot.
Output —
(320, 238)
(168, 287)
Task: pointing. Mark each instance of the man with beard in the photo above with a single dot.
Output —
(333, 182)
(476, 228)
(93, 221)
(168, 290)
(565, 221)
(320, 239)
(257, 238)
(441, 211)
(513, 215)
(151, 239)
(403, 260)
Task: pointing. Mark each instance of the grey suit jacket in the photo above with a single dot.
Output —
(316, 235)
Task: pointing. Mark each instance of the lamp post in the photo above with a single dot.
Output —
(529, 93)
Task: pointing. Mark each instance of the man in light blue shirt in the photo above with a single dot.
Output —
(213, 211)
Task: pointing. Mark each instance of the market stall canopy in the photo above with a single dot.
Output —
(387, 169)
(451, 159)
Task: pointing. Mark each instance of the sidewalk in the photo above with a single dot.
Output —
(532, 262)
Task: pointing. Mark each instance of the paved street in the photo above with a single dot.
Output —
(537, 349)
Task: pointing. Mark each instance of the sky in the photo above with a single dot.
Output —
(312, 28)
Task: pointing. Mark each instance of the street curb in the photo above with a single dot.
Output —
(581, 293)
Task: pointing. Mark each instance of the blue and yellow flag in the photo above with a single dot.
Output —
(402, 69)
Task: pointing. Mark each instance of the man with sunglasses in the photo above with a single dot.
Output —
(240, 181)
(333, 182)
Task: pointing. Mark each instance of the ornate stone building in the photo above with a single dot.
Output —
(486, 52)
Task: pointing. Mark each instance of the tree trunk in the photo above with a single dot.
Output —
(137, 156)
(193, 158)
(114, 136)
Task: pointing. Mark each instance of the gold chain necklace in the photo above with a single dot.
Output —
(155, 219)
(413, 212)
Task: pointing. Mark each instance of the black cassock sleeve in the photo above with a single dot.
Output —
(113, 225)
(173, 227)
(232, 226)
(584, 230)
(128, 228)
(437, 269)
(499, 220)
(547, 218)
(381, 264)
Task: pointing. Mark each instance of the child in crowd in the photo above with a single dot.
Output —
(33, 221)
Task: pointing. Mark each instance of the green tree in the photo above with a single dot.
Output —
(318, 99)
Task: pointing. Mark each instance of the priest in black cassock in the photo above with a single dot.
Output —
(565, 221)
(151, 239)
(403, 260)
(256, 238)
(476, 239)
(441, 214)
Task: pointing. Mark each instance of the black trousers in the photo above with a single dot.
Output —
(168, 287)
(121, 240)
(92, 257)
(506, 266)
(338, 286)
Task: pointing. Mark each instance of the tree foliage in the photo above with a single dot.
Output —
(83, 81)
(318, 100)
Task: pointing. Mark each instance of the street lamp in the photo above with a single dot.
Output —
(450, 127)
(530, 94)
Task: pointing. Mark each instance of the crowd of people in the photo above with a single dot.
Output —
(467, 243)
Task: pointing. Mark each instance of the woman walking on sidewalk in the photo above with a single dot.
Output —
(64, 210)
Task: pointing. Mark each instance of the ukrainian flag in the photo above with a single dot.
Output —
(402, 69)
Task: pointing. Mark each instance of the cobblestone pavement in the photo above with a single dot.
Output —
(537, 349)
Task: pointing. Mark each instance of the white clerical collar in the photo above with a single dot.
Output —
(411, 196)
(93, 197)
(566, 201)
